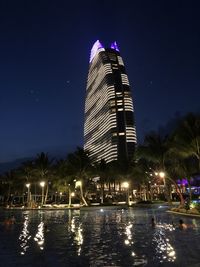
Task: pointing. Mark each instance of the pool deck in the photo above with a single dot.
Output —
(87, 208)
(78, 207)
(183, 213)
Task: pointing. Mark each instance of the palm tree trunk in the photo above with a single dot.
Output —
(47, 191)
(102, 193)
(182, 201)
(9, 189)
(109, 187)
(70, 198)
(190, 192)
(178, 191)
(83, 199)
(167, 193)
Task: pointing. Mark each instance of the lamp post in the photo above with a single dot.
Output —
(126, 185)
(71, 194)
(162, 175)
(70, 199)
(60, 197)
(28, 196)
(42, 184)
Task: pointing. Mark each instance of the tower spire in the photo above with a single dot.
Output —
(96, 46)
(114, 46)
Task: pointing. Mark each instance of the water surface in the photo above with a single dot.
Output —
(102, 237)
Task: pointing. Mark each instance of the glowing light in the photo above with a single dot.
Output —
(114, 46)
(126, 242)
(162, 174)
(78, 184)
(28, 185)
(125, 185)
(42, 184)
(192, 205)
(97, 45)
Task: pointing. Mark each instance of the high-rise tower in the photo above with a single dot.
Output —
(109, 128)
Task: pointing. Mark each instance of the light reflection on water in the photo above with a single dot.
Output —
(75, 227)
(24, 235)
(101, 238)
(39, 237)
(164, 250)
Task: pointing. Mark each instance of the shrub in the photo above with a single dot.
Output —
(197, 206)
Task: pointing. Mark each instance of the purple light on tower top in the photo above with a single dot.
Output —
(114, 46)
(96, 46)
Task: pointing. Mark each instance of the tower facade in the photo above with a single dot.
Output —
(109, 127)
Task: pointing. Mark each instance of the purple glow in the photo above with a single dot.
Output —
(183, 182)
(96, 46)
(114, 46)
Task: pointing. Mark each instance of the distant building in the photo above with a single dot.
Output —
(109, 128)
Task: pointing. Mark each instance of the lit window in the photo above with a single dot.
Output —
(121, 133)
(112, 102)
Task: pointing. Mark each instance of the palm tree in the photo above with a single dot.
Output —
(63, 180)
(140, 171)
(25, 177)
(100, 169)
(43, 165)
(186, 138)
(79, 166)
(156, 150)
(26, 170)
(9, 179)
(185, 147)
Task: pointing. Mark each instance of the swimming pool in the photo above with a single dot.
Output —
(98, 237)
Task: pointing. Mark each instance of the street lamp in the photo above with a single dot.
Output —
(28, 196)
(78, 184)
(161, 175)
(42, 184)
(60, 196)
(126, 185)
(71, 194)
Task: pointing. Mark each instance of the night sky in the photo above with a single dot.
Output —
(44, 60)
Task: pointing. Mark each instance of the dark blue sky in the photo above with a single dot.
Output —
(44, 54)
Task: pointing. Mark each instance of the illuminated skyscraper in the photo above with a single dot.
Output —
(109, 128)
